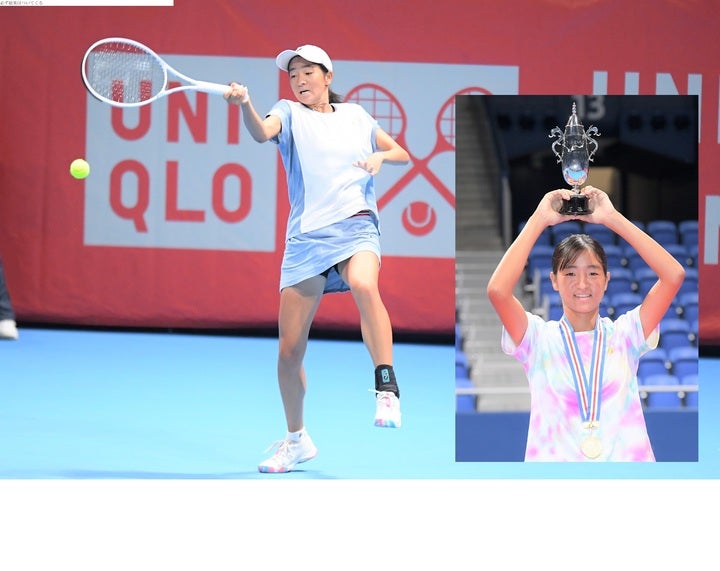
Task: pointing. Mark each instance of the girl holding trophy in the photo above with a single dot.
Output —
(582, 369)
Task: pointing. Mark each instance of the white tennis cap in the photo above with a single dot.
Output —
(311, 53)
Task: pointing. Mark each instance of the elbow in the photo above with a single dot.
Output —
(491, 290)
(679, 275)
(499, 297)
(495, 294)
(673, 275)
(396, 156)
(260, 137)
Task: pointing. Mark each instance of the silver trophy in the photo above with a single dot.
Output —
(575, 148)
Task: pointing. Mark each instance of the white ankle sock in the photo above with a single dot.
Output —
(295, 436)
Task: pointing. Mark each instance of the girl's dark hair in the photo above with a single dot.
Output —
(334, 97)
(567, 251)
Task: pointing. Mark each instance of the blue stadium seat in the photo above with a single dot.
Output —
(554, 305)
(691, 397)
(604, 309)
(691, 281)
(645, 278)
(688, 232)
(684, 361)
(465, 403)
(624, 302)
(545, 283)
(601, 233)
(565, 229)
(540, 258)
(673, 311)
(545, 238)
(633, 260)
(688, 305)
(621, 281)
(674, 332)
(663, 399)
(654, 362)
(615, 256)
(693, 253)
(663, 231)
(462, 367)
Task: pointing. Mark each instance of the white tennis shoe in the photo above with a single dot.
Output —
(8, 329)
(387, 410)
(288, 453)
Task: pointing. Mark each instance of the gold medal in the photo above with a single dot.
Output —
(591, 447)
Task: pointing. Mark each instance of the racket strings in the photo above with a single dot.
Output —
(124, 73)
(382, 106)
(447, 118)
(446, 123)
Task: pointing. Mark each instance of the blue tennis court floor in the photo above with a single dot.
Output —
(99, 404)
(79, 404)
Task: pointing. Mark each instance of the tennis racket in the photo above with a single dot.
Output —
(126, 73)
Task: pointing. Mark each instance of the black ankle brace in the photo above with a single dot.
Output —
(385, 379)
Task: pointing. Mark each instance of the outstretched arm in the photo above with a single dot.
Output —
(669, 271)
(260, 129)
(502, 283)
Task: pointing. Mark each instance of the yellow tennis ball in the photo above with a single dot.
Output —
(79, 168)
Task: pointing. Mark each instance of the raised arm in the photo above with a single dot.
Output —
(502, 283)
(260, 129)
(669, 271)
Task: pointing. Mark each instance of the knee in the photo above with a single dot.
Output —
(364, 287)
(290, 354)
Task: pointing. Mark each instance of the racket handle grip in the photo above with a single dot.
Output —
(209, 87)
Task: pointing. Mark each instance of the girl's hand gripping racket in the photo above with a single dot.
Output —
(125, 73)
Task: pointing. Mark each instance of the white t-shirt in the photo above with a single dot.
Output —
(318, 151)
(556, 429)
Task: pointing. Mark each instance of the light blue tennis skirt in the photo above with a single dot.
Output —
(310, 254)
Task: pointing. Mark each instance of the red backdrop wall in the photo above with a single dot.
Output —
(556, 47)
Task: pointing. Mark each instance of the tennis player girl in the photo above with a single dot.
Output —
(331, 151)
(582, 369)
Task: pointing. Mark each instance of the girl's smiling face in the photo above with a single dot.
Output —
(582, 283)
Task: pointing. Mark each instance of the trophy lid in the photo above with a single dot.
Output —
(573, 120)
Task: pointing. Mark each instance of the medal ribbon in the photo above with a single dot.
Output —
(587, 387)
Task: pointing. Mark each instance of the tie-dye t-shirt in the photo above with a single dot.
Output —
(556, 428)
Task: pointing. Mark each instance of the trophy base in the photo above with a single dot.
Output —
(577, 206)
